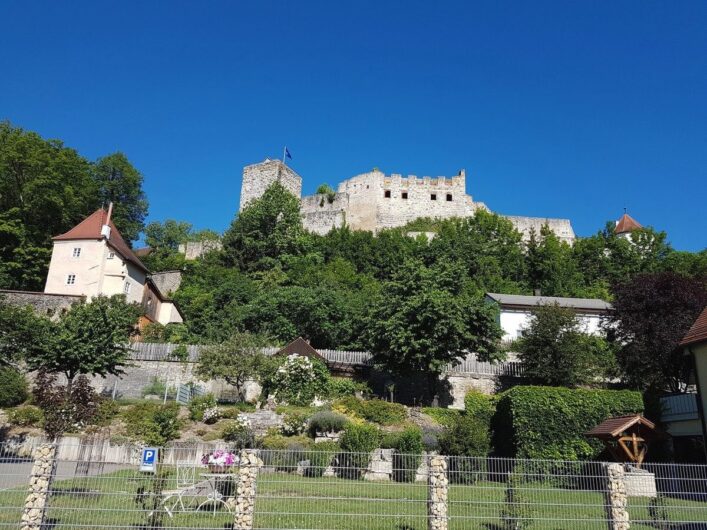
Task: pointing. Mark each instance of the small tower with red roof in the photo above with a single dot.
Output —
(625, 225)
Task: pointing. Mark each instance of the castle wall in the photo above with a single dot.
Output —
(320, 214)
(561, 227)
(258, 177)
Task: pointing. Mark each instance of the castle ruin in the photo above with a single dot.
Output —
(374, 201)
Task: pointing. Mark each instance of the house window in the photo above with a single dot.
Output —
(386, 194)
(77, 252)
(111, 255)
(433, 197)
(71, 279)
(126, 287)
(404, 195)
(449, 197)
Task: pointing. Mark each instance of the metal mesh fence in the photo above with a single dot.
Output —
(100, 486)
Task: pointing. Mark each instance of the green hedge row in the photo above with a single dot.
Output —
(550, 422)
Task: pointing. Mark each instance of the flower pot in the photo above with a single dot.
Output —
(219, 468)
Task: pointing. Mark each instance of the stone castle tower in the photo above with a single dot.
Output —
(374, 201)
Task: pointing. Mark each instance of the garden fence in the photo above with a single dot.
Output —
(100, 486)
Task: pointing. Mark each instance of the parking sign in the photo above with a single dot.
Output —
(148, 462)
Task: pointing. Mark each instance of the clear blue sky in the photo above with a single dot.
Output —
(559, 109)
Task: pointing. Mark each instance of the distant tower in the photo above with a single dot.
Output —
(258, 177)
(626, 225)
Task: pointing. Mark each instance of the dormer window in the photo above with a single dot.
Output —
(71, 279)
(77, 252)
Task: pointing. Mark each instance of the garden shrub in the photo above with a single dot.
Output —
(199, 404)
(467, 443)
(13, 387)
(239, 433)
(515, 514)
(479, 405)
(294, 424)
(153, 423)
(298, 380)
(326, 421)
(107, 410)
(26, 416)
(157, 387)
(446, 417)
(338, 387)
(284, 452)
(64, 410)
(407, 455)
(374, 410)
(320, 456)
(356, 443)
(550, 422)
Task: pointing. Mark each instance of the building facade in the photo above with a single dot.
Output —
(374, 201)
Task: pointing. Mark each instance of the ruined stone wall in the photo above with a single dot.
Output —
(195, 249)
(51, 305)
(561, 227)
(320, 214)
(258, 177)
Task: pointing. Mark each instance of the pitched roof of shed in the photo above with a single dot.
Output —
(300, 347)
(519, 300)
(698, 330)
(90, 228)
(626, 224)
(613, 427)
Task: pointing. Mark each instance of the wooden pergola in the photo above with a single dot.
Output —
(627, 437)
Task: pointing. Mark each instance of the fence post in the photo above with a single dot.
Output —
(39, 483)
(437, 486)
(245, 490)
(616, 498)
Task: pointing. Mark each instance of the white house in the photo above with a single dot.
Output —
(515, 311)
(93, 259)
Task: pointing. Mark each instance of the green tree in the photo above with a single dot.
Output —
(550, 266)
(236, 360)
(423, 321)
(554, 350)
(23, 334)
(651, 313)
(167, 236)
(267, 229)
(90, 338)
(120, 183)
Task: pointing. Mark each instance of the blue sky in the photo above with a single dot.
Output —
(559, 109)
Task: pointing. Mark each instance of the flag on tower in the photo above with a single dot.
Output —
(287, 153)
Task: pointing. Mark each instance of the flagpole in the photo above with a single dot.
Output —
(284, 152)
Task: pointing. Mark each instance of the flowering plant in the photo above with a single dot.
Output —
(219, 458)
(293, 424)
(243, 421)
(211, 415)
(299, 379)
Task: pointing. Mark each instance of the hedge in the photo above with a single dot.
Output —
(550, 422)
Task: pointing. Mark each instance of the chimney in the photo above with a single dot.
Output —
(105, 229)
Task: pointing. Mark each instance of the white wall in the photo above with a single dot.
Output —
(513, 321)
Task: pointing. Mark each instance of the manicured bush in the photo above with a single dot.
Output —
(374, 410)
(26, 416)
(326, 421)
(13, 387)
(479, 405)
(199, 404)
(320, 456)
(338, 387)
(466, 443)
(356, 443)
(550, 422)
(407, 455)
(152, 423)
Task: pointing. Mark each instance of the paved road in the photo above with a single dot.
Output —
(14, 474)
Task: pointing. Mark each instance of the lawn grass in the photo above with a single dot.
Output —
(291, 501)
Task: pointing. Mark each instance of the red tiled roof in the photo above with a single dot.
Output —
(90, 228)
(698, 330)
(626, 224)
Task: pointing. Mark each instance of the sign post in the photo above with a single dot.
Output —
(148, 461)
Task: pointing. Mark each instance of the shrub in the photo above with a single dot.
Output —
(153, 423)
(338, 387)
(107, 410)
(550, 422)
(326, 421)
(211, 415)
(293, 424)
(26, 416)
(320, 456)
(199, 404)
(65, 410)
(357, 442)
(239, 433)
(13, 387)
(374, 410)
(479, 405)
(298, 380)
(284, 453)
(515, 513)
(465, 443)
(446, 417)
(156, 387)
(407, 455)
